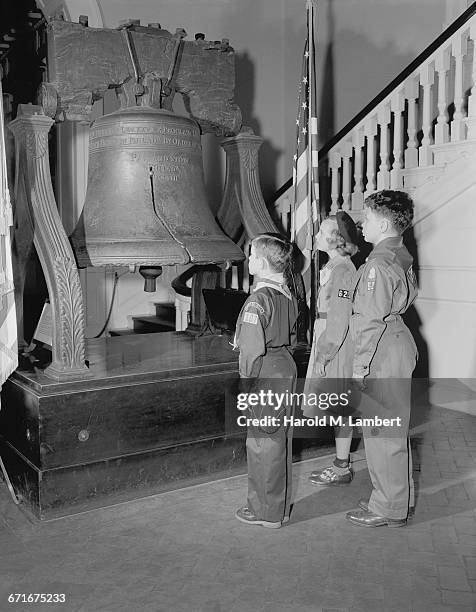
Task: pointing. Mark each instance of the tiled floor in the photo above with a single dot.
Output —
(184, 551)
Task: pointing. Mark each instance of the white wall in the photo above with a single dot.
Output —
(444, 230)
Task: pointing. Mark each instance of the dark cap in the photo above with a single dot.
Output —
(347, 227)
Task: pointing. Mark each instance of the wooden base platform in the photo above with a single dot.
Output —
(150, 418)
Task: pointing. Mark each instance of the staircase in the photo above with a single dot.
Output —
(419, 135)
(163, 320)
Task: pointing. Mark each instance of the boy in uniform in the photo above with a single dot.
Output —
(265, 330)
(383, 289)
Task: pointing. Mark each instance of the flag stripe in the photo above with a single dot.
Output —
(8, 326)
(305, 214)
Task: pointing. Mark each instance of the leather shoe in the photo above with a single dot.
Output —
(364, 505)
(245, 515)
(369, 519)
(328, 477)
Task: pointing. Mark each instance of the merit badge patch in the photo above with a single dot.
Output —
(371, 279)
(250, 317)
(344, 293)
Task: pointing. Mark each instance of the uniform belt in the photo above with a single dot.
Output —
(322, 315)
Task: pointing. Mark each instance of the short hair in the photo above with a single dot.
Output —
(276, 249)
(396, 206)
(337, 240)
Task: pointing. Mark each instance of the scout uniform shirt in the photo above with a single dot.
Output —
(264, 329)
(384, 288)
(334, 305)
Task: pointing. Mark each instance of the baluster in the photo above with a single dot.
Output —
(397, 106)
(427, 78)
(412, 90)
(471, 120)
(442, 65)
(246, 277)
(370, 130)
(284, 208)
(383, 174)
(347, 156)
(235, 282)
(334, 166)
(358, 194)
(459, 49)
(223, 277)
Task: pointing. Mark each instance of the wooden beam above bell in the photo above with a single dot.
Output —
(204, 74)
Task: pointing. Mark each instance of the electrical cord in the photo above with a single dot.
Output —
(116, 279)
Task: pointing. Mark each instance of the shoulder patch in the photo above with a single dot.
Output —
(411, 276)
(372, 275)
(250, 317)
(254, 306)
(344, 293)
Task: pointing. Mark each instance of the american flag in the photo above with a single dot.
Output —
(305, 215)
(8, 325)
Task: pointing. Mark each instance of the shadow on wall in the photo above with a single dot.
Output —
(244, 97)
(362, 70)
(327, 102)
(326, 111)
(412, 318)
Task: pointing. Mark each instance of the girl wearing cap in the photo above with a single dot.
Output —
(331, 352)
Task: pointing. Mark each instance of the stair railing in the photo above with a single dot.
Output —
(395, 139)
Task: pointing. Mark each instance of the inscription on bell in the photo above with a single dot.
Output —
(115, 140)
(163, 167)
(142, 129)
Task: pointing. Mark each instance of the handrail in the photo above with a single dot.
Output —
(406, 72)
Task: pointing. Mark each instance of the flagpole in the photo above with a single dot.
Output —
(314, 212)
(310, 190)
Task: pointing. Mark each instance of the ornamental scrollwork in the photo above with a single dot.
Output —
(71, 306)
(250, 159)
(36, 144)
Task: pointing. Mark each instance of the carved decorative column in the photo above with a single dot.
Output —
(242, 188)
(31, 128)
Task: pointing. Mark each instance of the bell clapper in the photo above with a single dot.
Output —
(150, 273)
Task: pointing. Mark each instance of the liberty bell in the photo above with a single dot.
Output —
(145, 202)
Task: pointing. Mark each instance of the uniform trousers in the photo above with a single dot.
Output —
(387, 450)
(269, 448)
